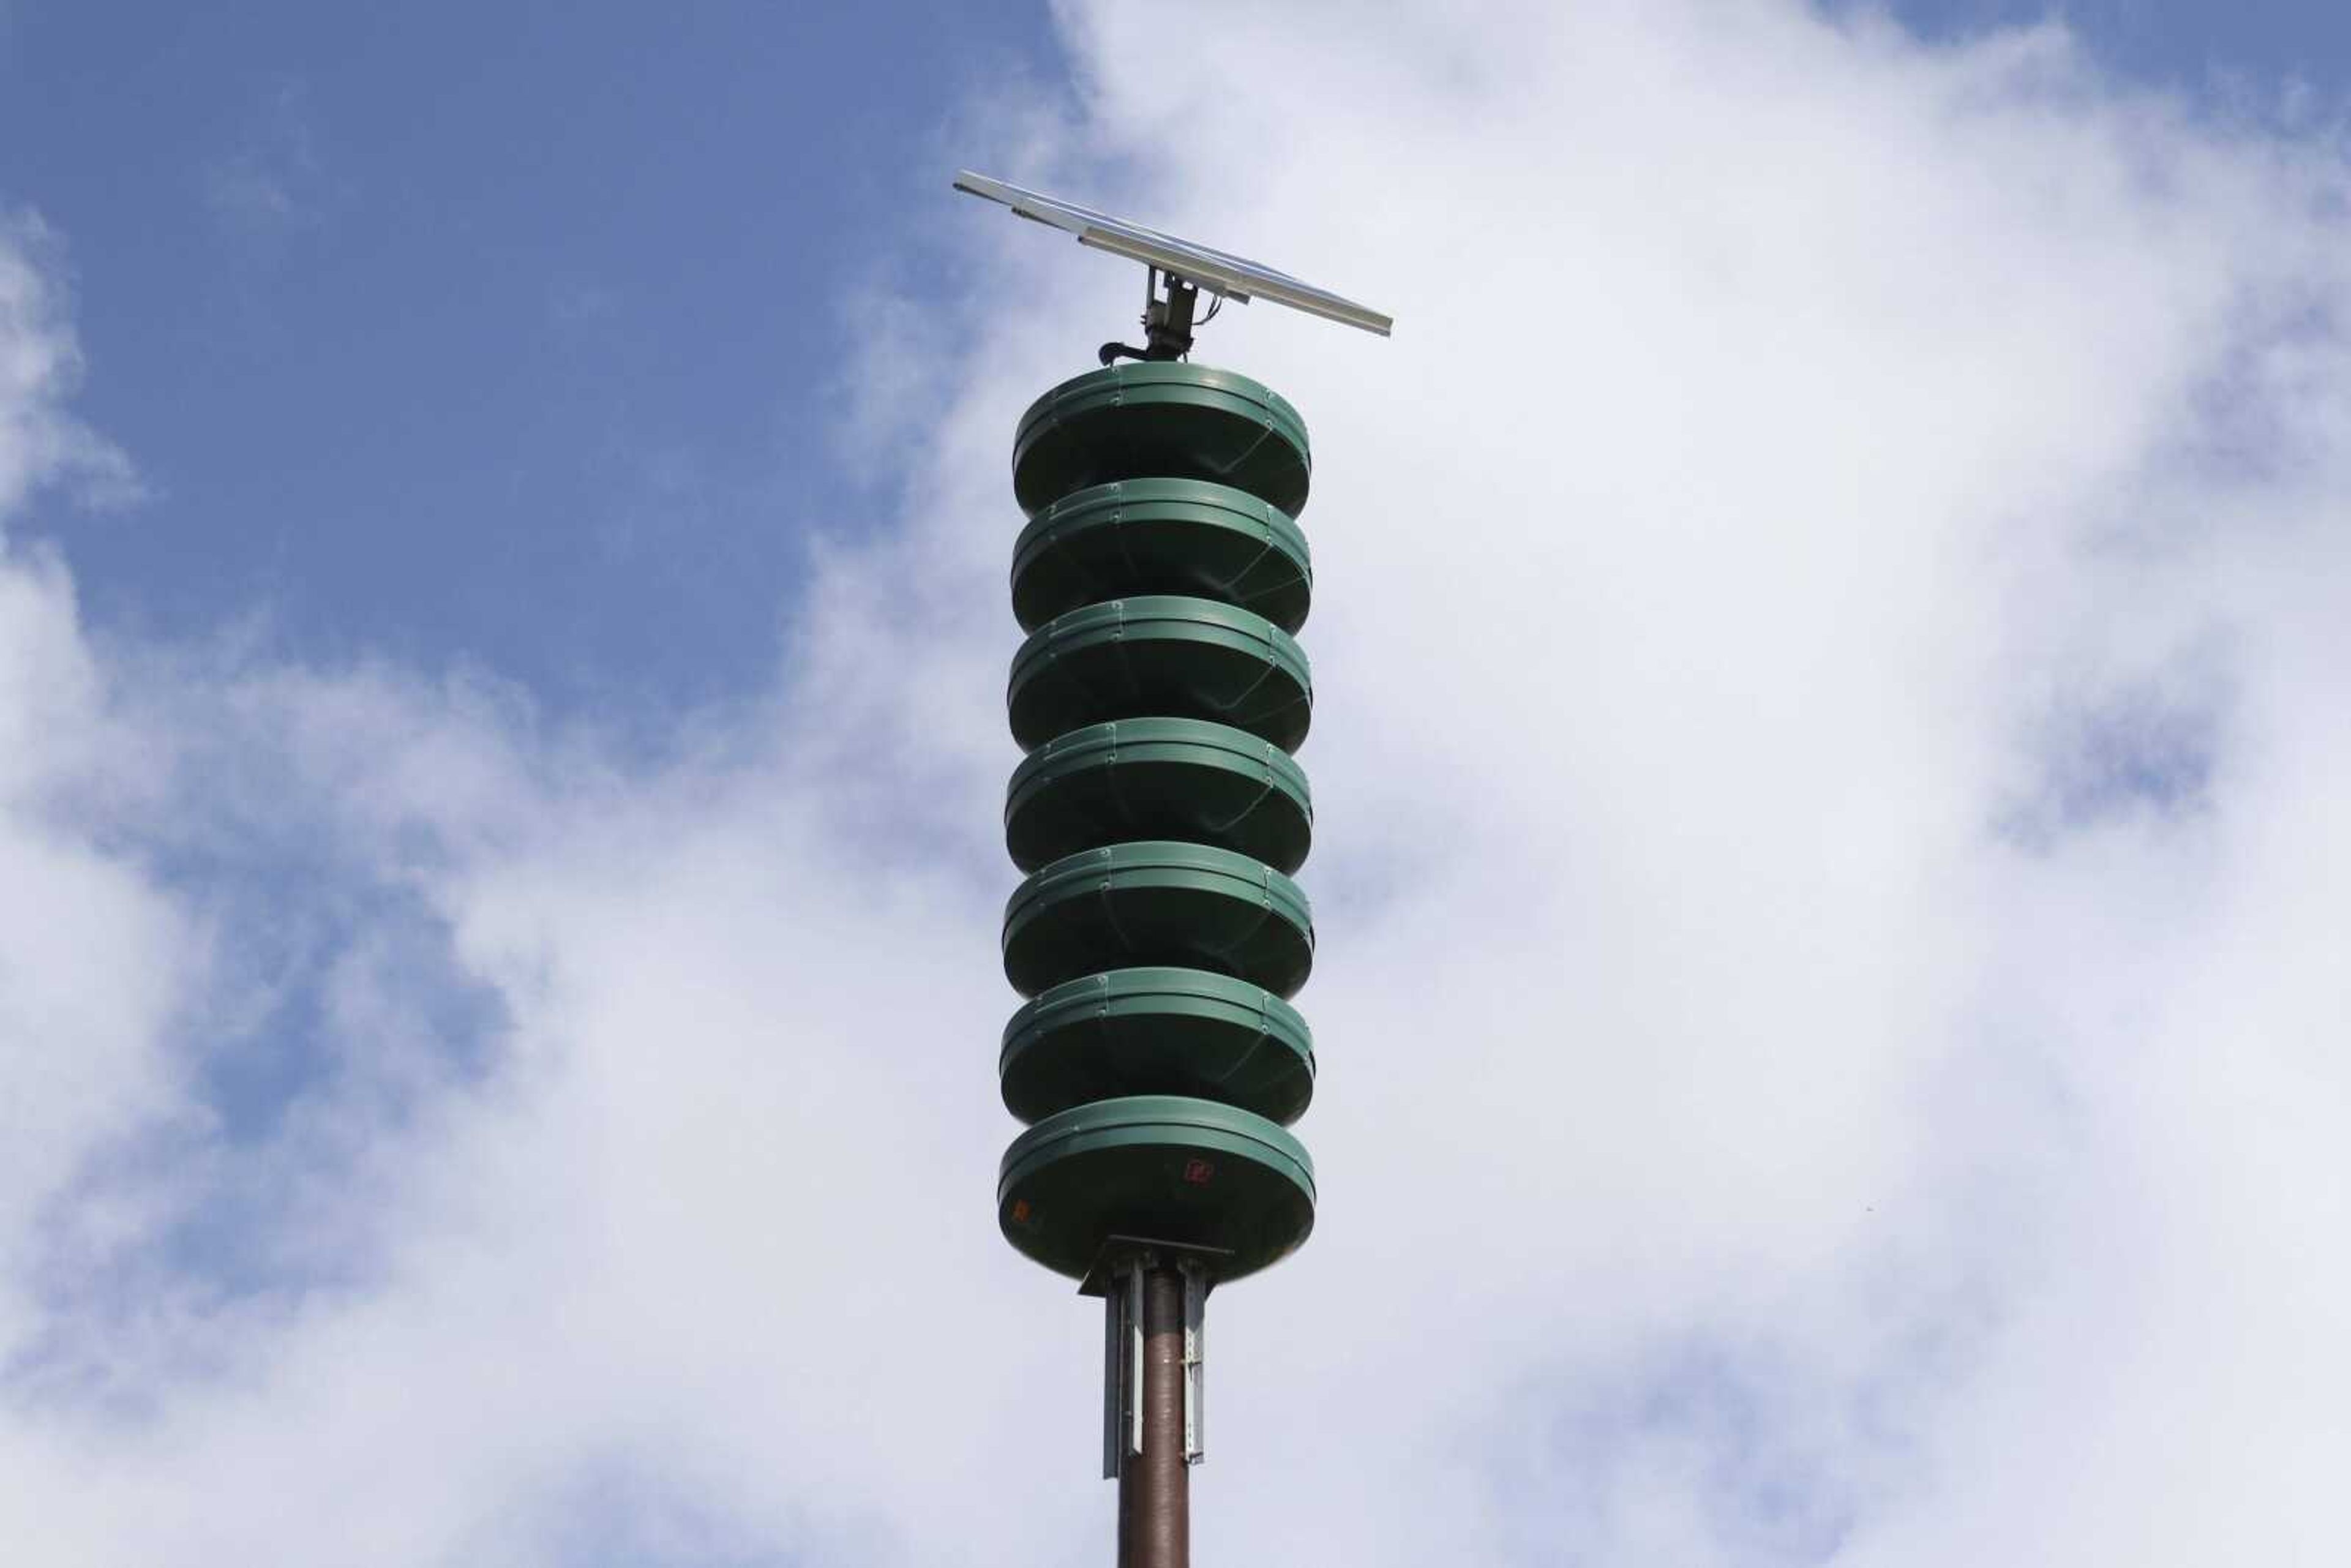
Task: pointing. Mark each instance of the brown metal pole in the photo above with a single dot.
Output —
(1154, 1491)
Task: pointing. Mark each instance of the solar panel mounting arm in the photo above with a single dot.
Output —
(1167, 323)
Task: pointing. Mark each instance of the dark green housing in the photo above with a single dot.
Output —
(1159, 814)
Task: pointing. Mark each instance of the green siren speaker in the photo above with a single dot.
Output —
(1159, 815)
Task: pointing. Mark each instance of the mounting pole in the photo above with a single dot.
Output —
(1155, 1299)
(1155, 1487)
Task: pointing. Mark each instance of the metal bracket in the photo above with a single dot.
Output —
(1117, 1323)
(1196, 1360)
(1117, 1276)
(1167, 322)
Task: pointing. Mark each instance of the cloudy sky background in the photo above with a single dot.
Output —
(1830, 637)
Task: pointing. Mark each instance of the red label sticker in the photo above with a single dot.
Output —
(1020, 1211)
(1199, 1173)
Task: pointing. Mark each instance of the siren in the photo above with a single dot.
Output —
(1158, 814)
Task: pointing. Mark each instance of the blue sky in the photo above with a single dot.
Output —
(1828, 759)
(510, 335)
(2191, 42)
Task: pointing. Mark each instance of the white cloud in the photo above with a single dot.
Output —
(1829, 645)
(40, 365)
(92, 958)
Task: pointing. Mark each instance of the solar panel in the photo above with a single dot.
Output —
(1216, 271)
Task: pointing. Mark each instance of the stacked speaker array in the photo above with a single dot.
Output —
(1159, 816)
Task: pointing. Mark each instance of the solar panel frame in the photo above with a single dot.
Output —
(1219, 272)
